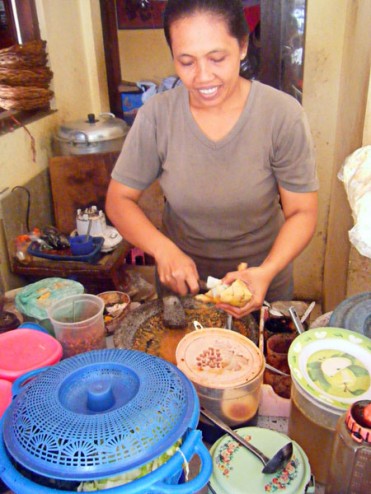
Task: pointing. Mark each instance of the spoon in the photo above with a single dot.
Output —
(229, 324)
(277, 371)
(88, 231)
(307, 312)
(295, 319)
(272, 310)
(271, 465)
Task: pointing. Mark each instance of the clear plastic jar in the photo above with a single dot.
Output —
(350, 471)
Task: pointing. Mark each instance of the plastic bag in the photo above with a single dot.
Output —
(356, 175)
(34, 299)
(149, 89)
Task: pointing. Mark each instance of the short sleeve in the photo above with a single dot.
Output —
(293, 159)
(138, 164)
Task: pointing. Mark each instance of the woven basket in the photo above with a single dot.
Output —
(30, 54)
(24, 77)
(39, 77)
(24, 98)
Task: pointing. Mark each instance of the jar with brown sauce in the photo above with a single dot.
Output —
(330, 370)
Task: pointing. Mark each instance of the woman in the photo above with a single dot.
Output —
(234, 158)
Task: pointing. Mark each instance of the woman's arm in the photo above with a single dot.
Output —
(175, 269)
(300, 211)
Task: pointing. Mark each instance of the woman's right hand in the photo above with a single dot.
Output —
(176, 270)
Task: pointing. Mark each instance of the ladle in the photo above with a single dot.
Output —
(271, 465)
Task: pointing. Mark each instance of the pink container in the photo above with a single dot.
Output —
(5, 395)
(23, 350)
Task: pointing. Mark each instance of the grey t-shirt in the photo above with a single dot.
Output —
(222, 203)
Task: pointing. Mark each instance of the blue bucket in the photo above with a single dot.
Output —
(101, 414)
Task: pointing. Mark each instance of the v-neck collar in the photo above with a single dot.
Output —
(231, 134)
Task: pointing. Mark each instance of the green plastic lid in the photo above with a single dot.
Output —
(332, 365)
(237, 470)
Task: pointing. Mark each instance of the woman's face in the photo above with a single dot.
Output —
(206, 58)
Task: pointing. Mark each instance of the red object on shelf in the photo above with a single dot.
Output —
(23, 350)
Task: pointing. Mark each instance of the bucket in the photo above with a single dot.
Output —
(330, 370)
(118, 420)
(78, 323)
(226, 369)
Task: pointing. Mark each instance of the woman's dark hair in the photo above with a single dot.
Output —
(229, 10)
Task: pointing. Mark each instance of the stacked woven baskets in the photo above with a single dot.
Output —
(25, 77)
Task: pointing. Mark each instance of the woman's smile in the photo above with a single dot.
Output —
(207, 59)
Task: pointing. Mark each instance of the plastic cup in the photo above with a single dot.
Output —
(78, 323)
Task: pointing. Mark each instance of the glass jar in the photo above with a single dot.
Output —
(350, 471)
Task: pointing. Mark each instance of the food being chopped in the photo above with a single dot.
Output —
(236, 294)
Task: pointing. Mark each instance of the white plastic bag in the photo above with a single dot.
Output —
(149, 89)
(356, 175)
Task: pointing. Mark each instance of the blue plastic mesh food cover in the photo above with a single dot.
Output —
(99, 414)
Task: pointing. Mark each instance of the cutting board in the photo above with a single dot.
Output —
(78, 182)
(81, 181)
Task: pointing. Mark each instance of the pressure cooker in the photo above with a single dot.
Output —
(91, 135)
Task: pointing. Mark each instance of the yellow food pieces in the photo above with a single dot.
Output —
(236, 294)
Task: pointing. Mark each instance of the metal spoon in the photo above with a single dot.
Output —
(307, 312)
(88, 231)
(272, 310)
(271, 465)
(295, 319)
(229, 324)
(277, 371)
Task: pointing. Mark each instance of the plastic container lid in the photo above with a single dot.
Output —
(5, 395)
(23, 350)
(99, 414)
(354, 313)
(218, 358)
(237, 470)
(332, 366)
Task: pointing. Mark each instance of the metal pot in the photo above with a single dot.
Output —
(105, 134)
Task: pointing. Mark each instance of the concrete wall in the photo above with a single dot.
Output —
(72, 29)
(336, 83)
(144, 55)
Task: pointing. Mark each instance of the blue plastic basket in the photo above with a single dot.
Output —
(100, 414)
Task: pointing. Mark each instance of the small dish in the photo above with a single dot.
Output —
(81, 245)
(116, 305)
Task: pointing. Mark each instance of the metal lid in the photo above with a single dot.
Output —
(99, 414)
(105, 128)
(218, 358)
(333, 365)
(236, 470)
(354, 313)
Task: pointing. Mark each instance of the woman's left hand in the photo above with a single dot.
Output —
(257, 280)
